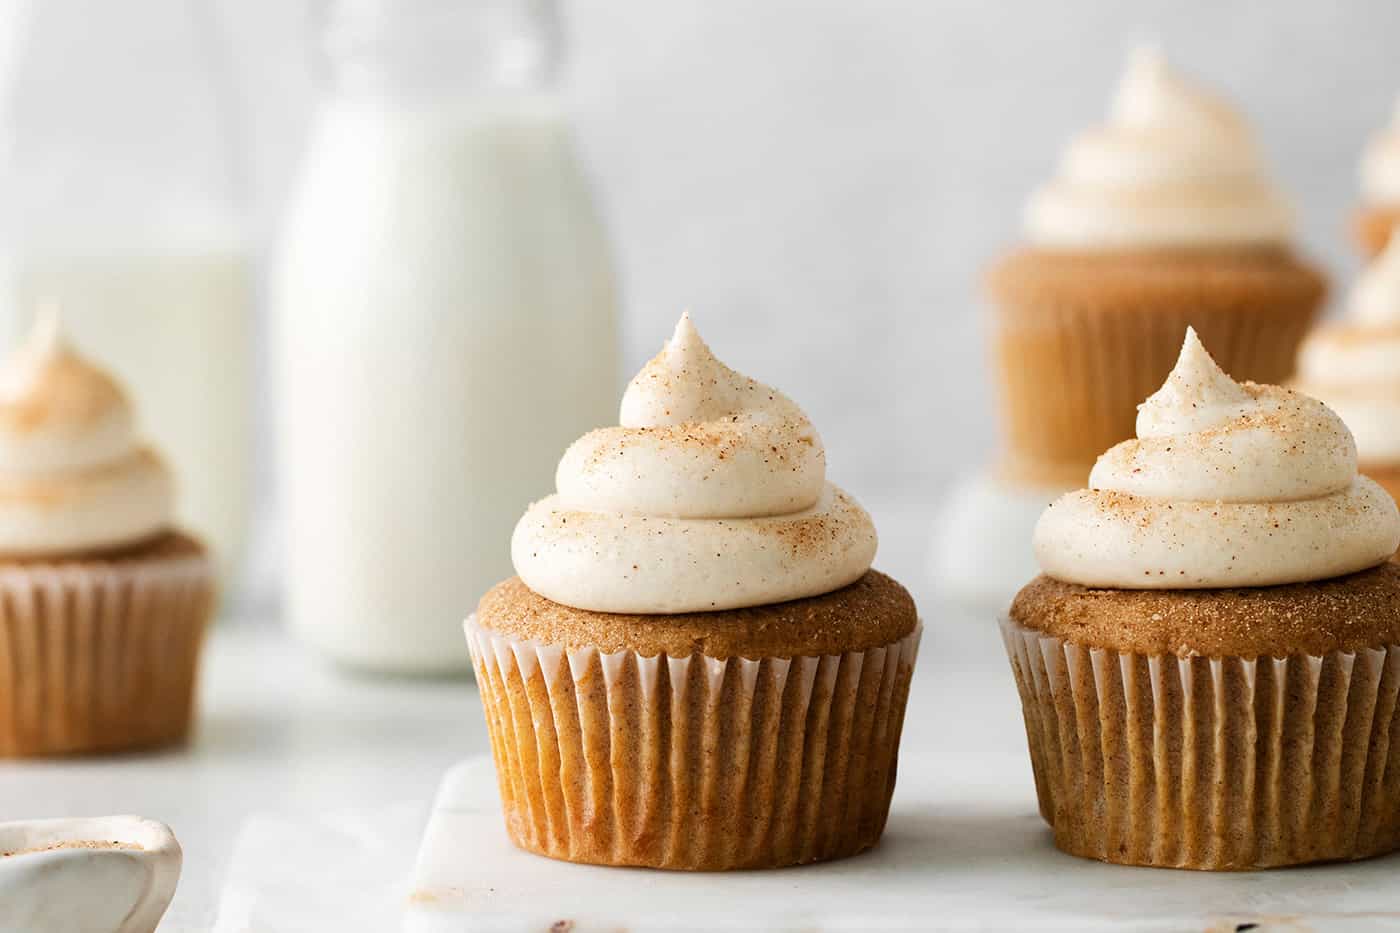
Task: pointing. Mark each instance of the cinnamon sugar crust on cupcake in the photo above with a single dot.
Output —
(1350, 613)
(875, 610)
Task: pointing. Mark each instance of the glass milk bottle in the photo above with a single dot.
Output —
(123, 206)
(444, 323)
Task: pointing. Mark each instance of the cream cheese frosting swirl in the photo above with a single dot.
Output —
(73, 476)
(1354, 365)
(1380, 165)
(710, 494)
(1227, 484)
(1174, 166)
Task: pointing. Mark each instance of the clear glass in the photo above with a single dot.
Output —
(444, 323)
(124, 204)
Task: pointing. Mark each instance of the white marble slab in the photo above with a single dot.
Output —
(965, 850)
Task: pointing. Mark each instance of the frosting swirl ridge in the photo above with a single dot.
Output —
(1227, 484)
(711, 493)
(1174, 166)
(73, 475)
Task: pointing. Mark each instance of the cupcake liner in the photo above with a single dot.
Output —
(1078, 346)
(99, 656)
(1211, 763)
(692, 763)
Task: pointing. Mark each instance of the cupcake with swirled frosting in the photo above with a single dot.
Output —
(1354, 366)
(1379, 213)
(1210, 661)
(696, 667)
(1161, 218)
(103, 602)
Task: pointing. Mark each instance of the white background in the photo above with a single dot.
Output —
(821, 181)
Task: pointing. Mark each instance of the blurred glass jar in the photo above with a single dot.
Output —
(444, 323)
(123, 203)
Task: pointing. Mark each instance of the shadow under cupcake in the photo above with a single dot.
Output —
(696, 667)
(1209, 666)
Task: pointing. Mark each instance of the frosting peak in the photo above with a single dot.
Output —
(1197, 395)
(1174, 166)
(710, 494)
(1228, 485)
(1152, 96)
(73, 476)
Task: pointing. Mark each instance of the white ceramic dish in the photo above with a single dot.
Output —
(112, 874)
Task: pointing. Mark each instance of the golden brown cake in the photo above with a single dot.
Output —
(1210, 664)
(1080, 338)
(103, 605)
(696, 667)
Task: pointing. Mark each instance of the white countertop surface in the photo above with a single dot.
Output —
(280, 732)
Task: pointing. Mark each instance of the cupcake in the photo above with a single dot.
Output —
(696, 667)
(1209, 665)
(1354, 366)
(1161, 219)
(103, 603)
(1380, 189)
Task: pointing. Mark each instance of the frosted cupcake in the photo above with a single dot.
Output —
(103, 603)
(1380, 189)
(696, 667)
(1161, 219)
(1209, 665)
(1354, 366)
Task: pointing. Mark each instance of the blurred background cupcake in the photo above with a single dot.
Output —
(1354, 366)
(104, 601)
(1380, 188)
(1162, 218)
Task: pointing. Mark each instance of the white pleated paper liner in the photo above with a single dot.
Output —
(1211, 763)
(692, 763)
(100, 656)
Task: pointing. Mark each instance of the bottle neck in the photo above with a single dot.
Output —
(426, 49)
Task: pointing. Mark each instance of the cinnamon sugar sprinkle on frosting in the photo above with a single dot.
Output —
(711, 493)
(1226, 485)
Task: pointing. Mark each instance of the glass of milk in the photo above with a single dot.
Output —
(444, 323)
(123, 204)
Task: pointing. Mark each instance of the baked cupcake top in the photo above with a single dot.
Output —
(1380, 165)
(1354, 364)
(74, 477)
(1174, 166)
(711, 494)
(1226, 485)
